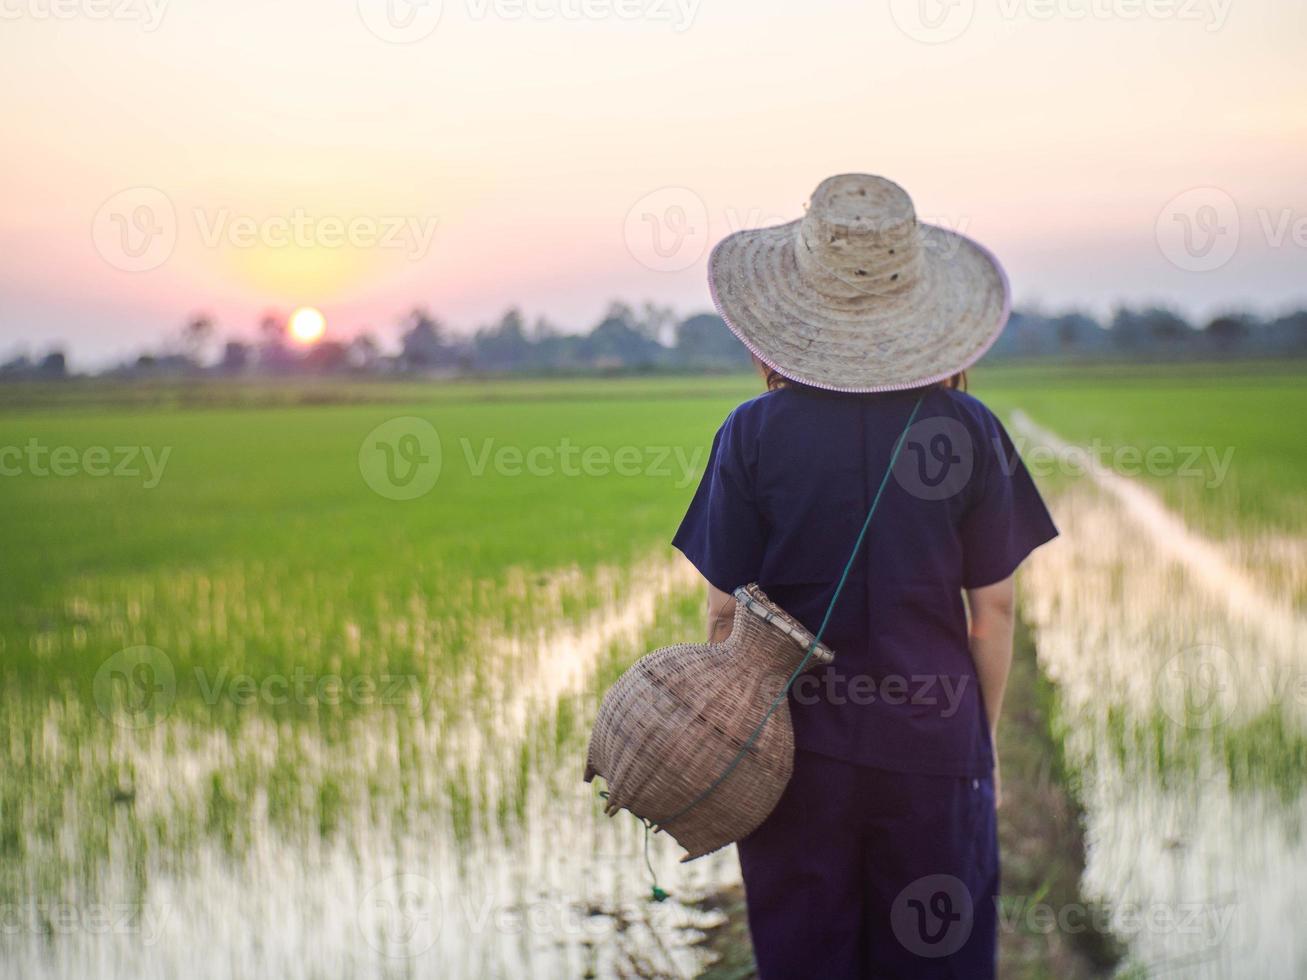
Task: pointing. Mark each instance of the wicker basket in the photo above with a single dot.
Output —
(676, 721)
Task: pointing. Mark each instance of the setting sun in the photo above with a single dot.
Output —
(307, 325)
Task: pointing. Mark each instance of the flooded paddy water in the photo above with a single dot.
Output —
(1183, 709)
(440, 830)
(367, 763)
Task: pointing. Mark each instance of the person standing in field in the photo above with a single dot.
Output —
(881, 858)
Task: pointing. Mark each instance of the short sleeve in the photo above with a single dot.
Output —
(722, 533)
(1006, 518)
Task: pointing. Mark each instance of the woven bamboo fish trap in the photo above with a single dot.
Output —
(677, 738)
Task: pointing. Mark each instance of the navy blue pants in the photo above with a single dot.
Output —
(862, 872)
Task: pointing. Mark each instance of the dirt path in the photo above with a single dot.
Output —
(1244, 599)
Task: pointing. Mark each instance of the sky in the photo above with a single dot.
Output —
(233, 157)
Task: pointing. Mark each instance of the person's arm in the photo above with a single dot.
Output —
(721, 614)
(993, 621)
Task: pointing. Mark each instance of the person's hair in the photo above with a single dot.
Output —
(774, 379)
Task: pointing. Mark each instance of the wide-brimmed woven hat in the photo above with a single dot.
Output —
(858, 295)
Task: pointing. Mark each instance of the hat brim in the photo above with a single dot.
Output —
(860, 343)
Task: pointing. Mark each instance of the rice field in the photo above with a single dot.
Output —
(297, 677)
(1224, 451)
(1170, 617)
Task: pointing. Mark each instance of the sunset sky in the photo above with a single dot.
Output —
(363, 156)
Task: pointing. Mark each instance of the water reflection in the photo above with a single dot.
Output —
(446, 834)
(1185, 720)
(437, 826)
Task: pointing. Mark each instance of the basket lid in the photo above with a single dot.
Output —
(751, 598)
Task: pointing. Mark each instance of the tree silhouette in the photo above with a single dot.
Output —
(422, 344)
(196, 335)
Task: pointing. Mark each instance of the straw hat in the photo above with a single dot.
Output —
(858, 295)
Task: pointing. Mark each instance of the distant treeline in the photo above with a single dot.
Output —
(1151, 332)
(653, 339)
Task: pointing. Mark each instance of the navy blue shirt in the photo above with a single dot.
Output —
(787, 487)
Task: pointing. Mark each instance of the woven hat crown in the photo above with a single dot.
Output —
(859, 237)
(860, 294)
